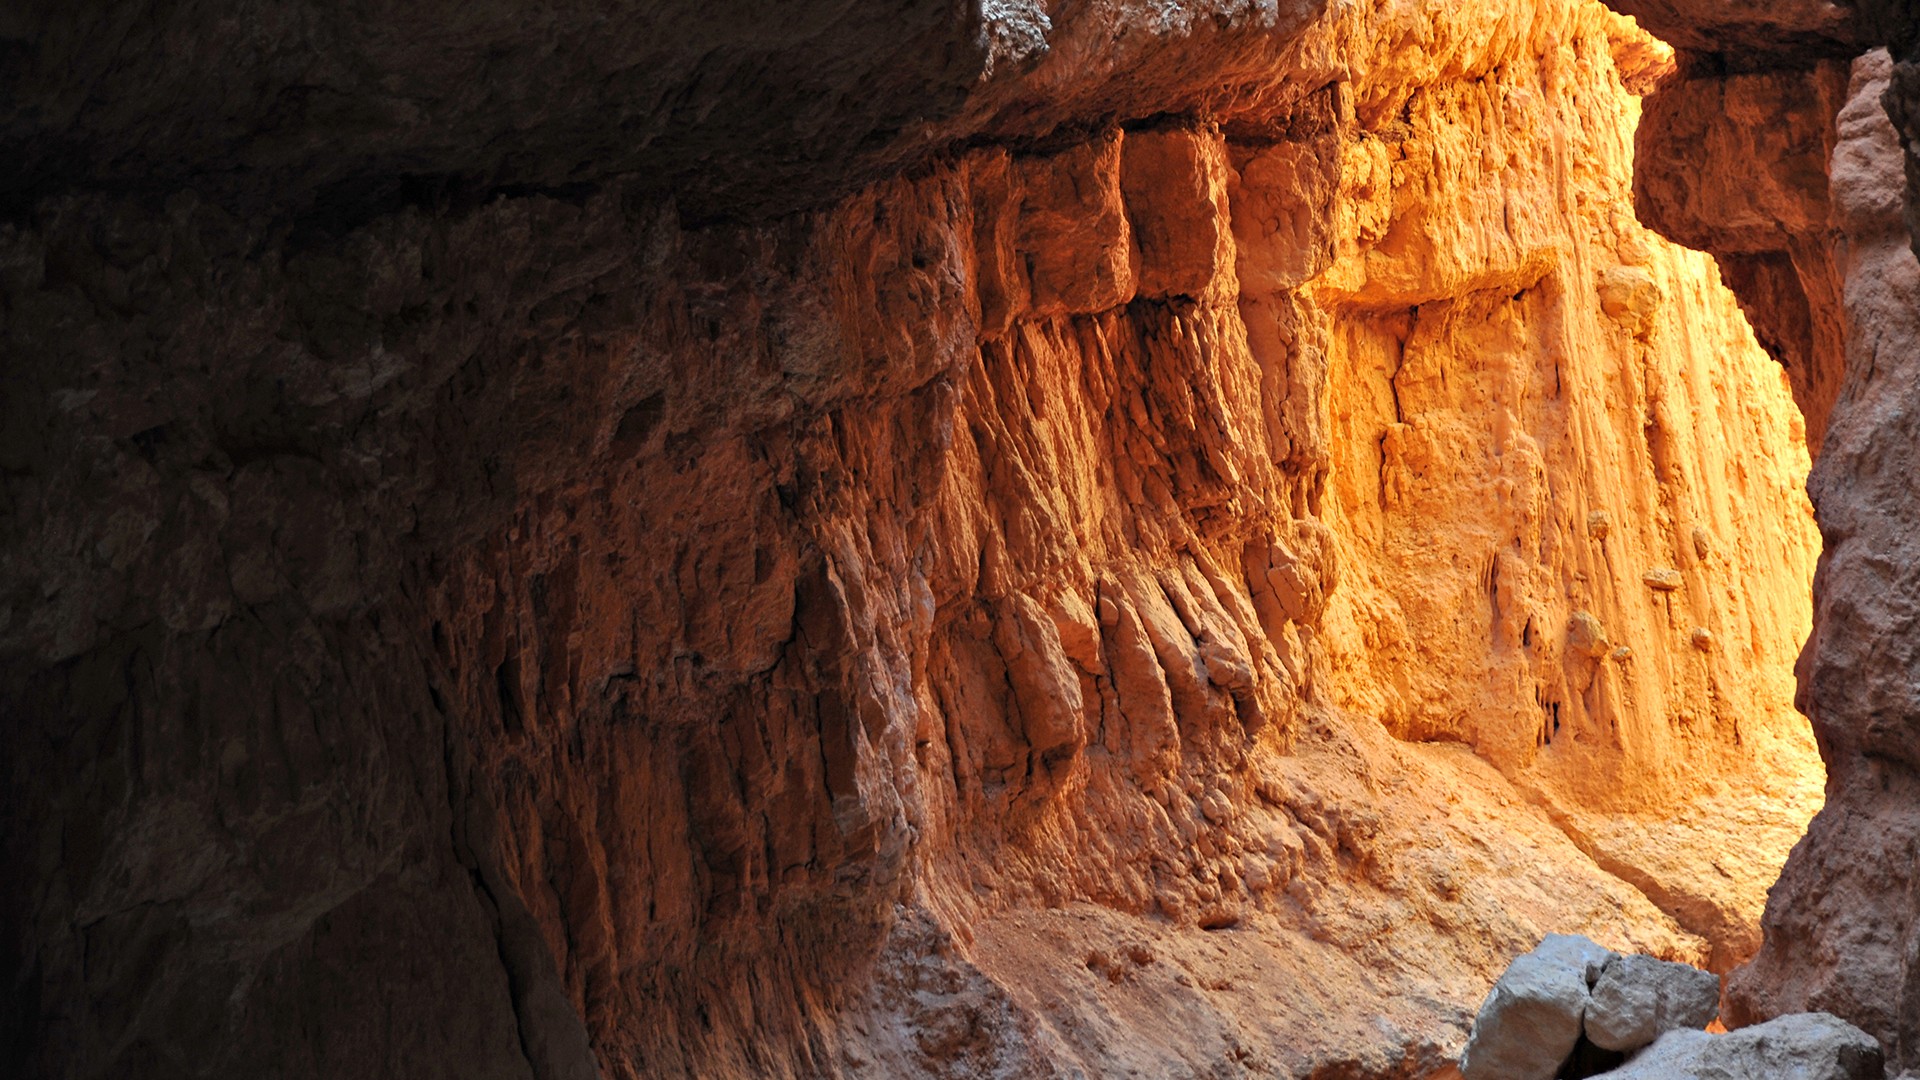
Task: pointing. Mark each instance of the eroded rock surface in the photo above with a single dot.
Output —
(1830, 947)
(1835, 273)
(1157, 585)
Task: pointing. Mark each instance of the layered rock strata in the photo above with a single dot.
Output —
(1187, 578)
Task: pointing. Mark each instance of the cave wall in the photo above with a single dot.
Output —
(1826, 947)
(1070, 564)
(1814, 223)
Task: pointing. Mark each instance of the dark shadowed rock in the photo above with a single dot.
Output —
(675, 539)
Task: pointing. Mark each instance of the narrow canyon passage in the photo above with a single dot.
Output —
(939, 540)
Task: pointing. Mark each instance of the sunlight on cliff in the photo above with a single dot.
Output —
(1570, 485)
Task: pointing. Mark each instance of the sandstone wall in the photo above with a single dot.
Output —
(1613, 621)
(1828, 945)
(1807, 218)
(1160, 584)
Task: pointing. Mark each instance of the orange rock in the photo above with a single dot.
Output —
(1074, 234)
(1159, 483)
(1175, 186)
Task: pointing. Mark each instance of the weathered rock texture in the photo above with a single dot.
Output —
(1639, 997)
(1532, 1018)
(1807, 218)
(1619, 609)
(1187, 578)
(1838, 940)
(1571, 1008)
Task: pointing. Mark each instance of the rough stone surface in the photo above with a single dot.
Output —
(1803, 1046)
(1531, 1024)
(1766, 223)
(1832, 288)
(1639, 998)
(749, 108)
(1755, 33)
(1581, 954)
(1458, 630)
(1051, 552)
(1833, 941)
(1530, 1021)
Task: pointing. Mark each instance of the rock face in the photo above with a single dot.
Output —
(911, 541)
(1609, 486)
(1830, 946)
(1767, 224)
(1807, 220)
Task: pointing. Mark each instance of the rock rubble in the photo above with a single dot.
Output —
(1555, 1006)
(1799, 1046)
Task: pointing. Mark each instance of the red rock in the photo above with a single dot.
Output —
(790, 543)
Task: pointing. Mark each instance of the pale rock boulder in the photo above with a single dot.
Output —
(1587, 957)
(1803, 1046)
(1639, 998)
(1530, 1022)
